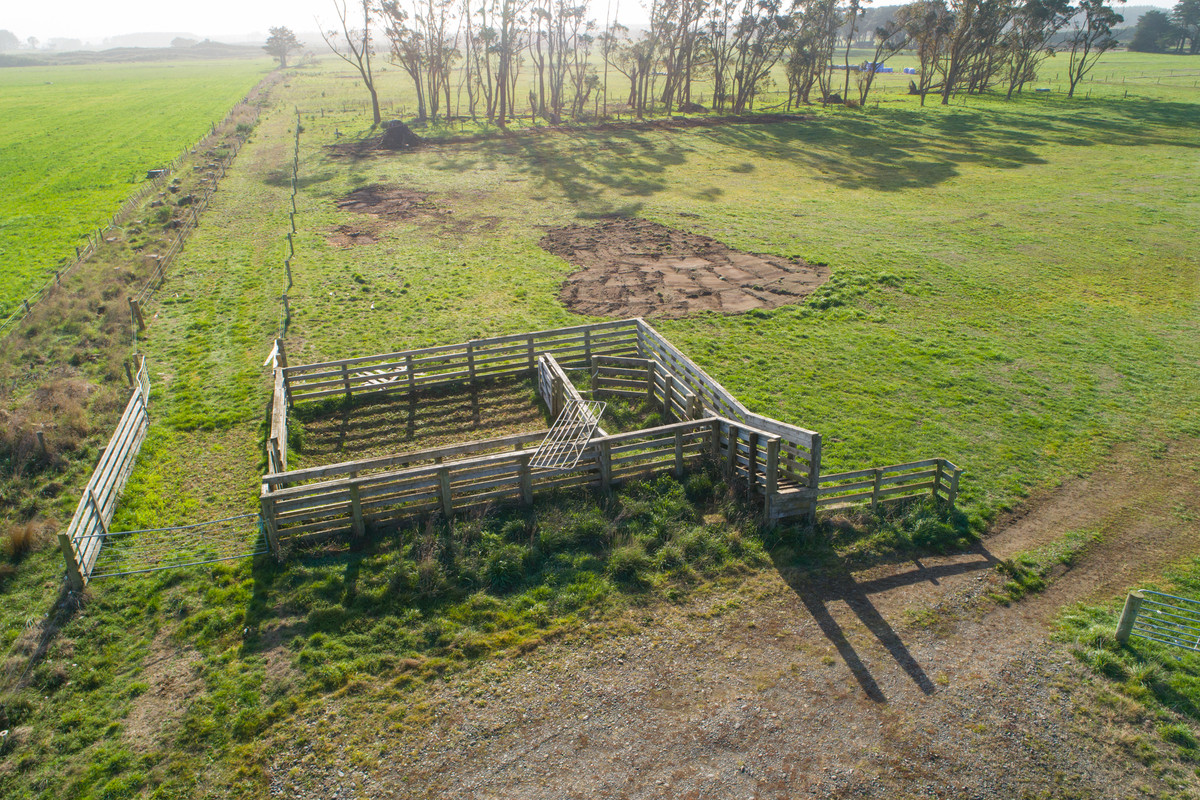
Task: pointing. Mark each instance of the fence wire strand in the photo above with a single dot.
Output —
(154, 549)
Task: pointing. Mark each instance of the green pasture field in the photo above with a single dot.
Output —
(1014, 287)
(77, 140)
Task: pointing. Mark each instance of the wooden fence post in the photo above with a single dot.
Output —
(346, 380)
(74, 573)
(668, 396)
(587, 344)
(1133, 604)
(733, 452)
(649, 380)
(445, 491)
(772, 466)
(678, 454)
(529, 352)
(937, 480)
(953, 493)
(814, 474)
(471, 362)
(605, 466)
(136, 311)
(714, 435)
(556, 394)
(408, 370)
(752, 463)
(526, 480)
(360, 530)
(266, 510)
(875, 488)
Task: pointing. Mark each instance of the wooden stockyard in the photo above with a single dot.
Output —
(779, 463)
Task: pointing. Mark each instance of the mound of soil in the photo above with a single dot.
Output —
(392, 202)
(348, 236)
(632, 267)
(399, 136)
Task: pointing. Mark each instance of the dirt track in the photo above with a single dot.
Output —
(794, 686)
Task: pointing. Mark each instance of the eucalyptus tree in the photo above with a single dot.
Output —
(353, 44)
(1028, 41)
(1089, 37)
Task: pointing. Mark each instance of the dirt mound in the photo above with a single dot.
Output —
(399, 136)
(631, 267)
(382, 200)
(348, 236)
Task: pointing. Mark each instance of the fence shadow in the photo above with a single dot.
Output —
(834, 582)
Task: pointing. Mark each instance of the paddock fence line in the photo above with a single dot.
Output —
(137, 552)
(84, 537)
(1164, 618)
(800, 447)
(285, 309)
(314, 504)
(454, 364)
(131, 203)
(936, 478)
(778, 464)
(646, 379)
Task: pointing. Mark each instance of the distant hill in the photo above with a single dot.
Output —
(198, 52)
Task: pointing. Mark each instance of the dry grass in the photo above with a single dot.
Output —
(23, 538)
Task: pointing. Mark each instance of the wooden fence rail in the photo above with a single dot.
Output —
(81, 542)
(645, 378)
(454, 364)
(298, 506)
(935, 477)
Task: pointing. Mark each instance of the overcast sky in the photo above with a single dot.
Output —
(92, 20)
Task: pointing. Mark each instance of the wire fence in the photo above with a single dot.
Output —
(155, 549)
(1163, 618)
(285, 310)
(162, 175)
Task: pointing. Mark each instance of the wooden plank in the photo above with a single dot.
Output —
(482, 445)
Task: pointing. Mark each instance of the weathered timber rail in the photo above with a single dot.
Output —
(448, 365)
(84, 537)
(485, 473)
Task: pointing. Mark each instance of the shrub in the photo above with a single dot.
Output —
(629, 564)
(699, 487)
(506, 567)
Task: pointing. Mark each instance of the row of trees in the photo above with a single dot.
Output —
(1179, 31)
(574, 63)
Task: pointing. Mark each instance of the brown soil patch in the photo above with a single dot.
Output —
(391, 202)
(348, 236)
(636, 268)
(396, 203)
(171, 673)
(811, 683)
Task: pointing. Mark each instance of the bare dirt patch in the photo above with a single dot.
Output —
(345, 236)
(398, 203)
(391, 202)
(170, 672)
(633, 267)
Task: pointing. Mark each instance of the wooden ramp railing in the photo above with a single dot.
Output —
(84, 537)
